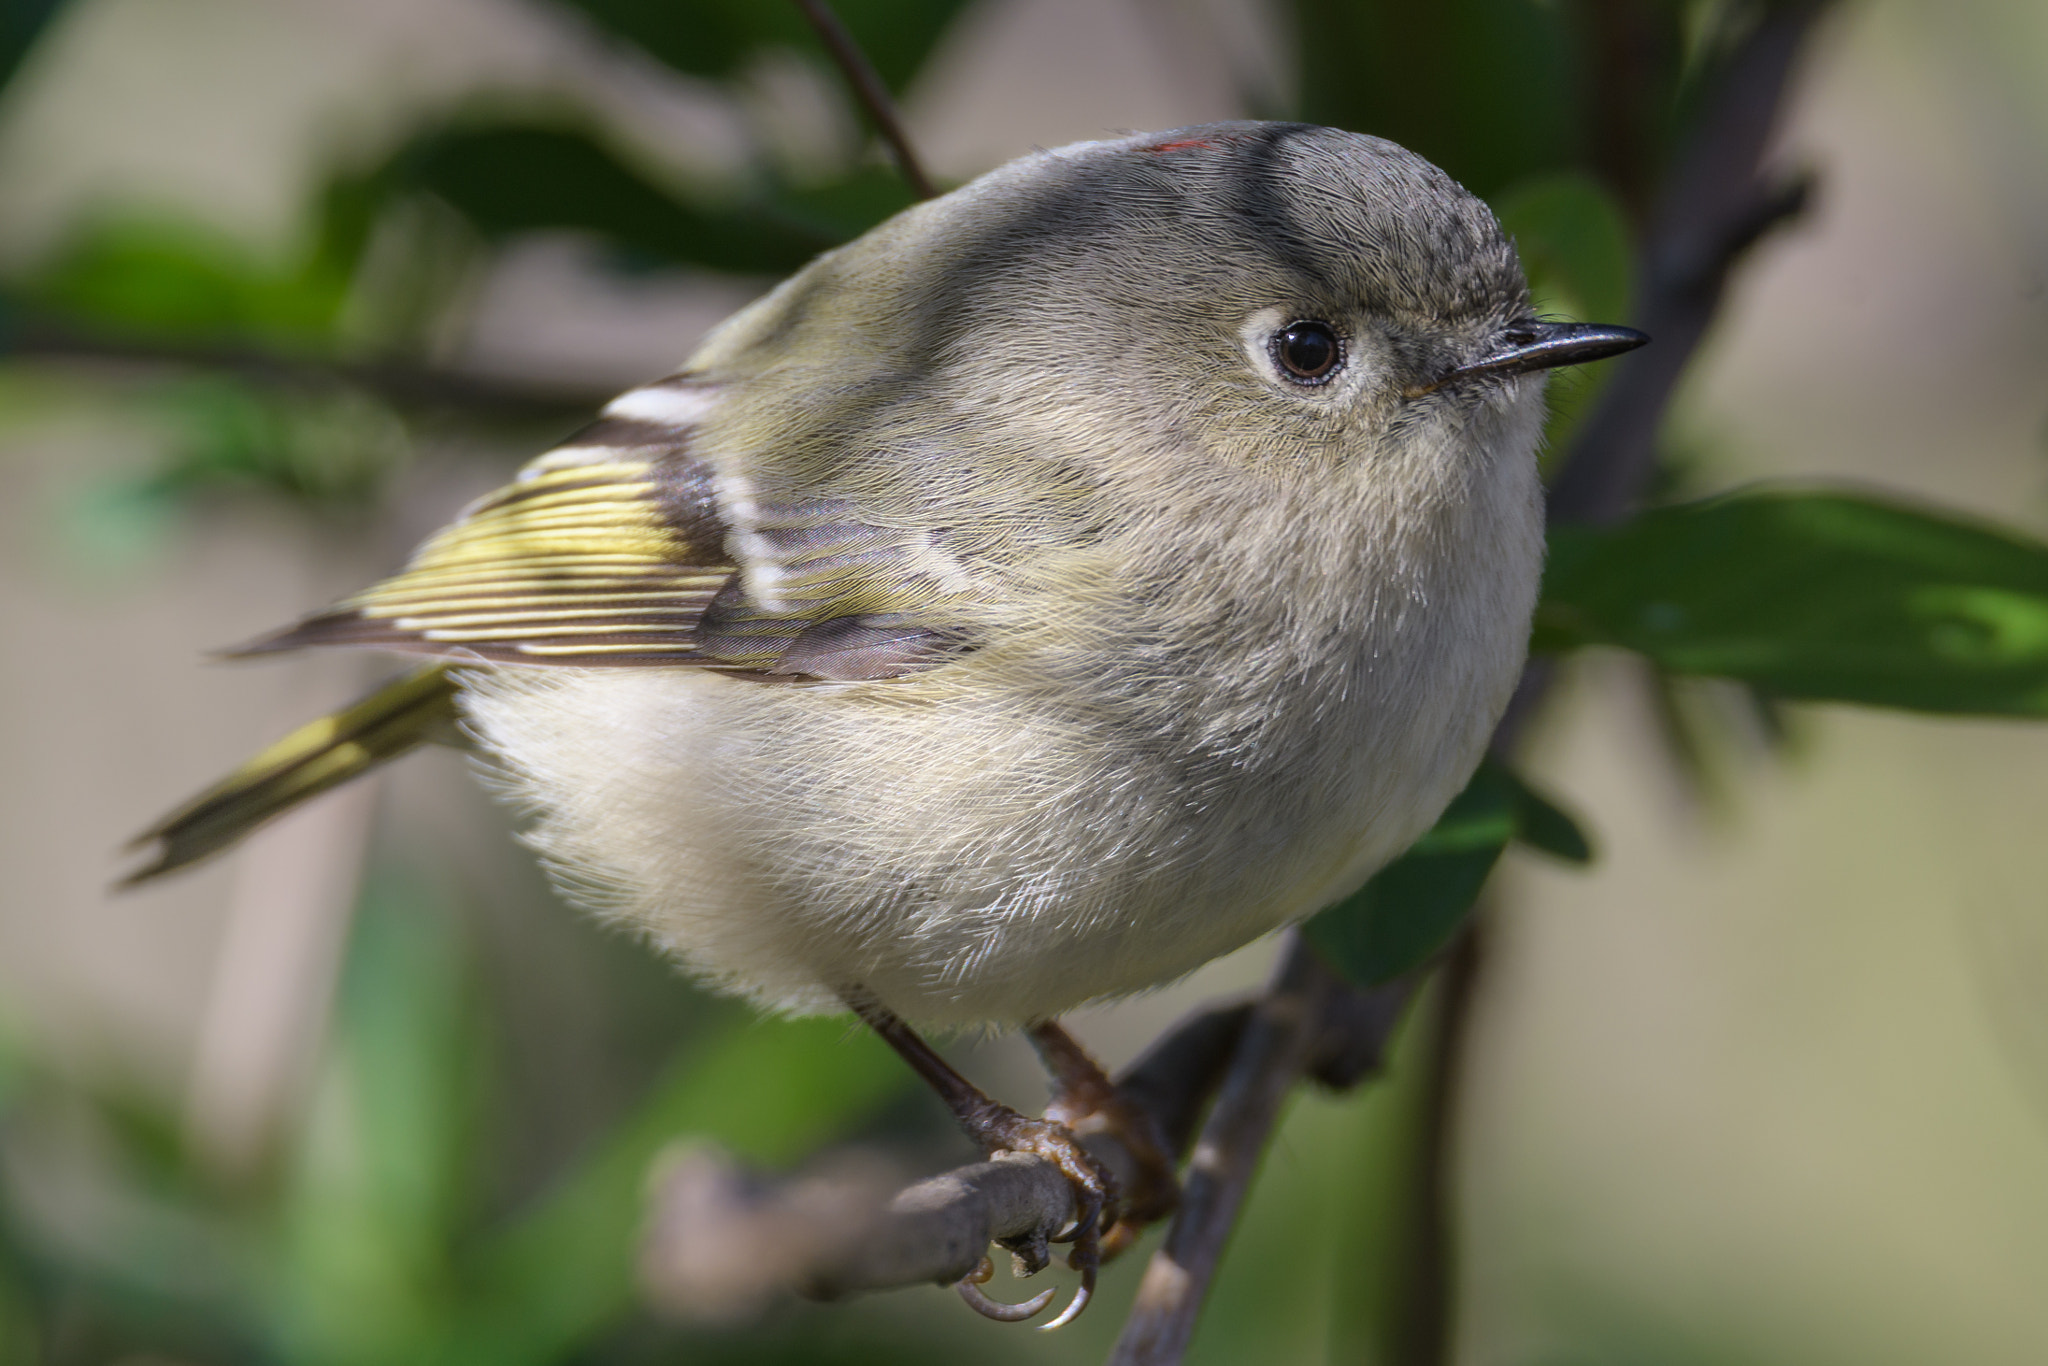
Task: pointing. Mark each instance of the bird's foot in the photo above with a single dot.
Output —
(1088, 1102)
(999, 1129)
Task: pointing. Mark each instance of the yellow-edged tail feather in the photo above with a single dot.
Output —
(323, 754)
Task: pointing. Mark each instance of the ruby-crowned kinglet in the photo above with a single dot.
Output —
(1070, 580)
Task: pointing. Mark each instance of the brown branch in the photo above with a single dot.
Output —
(1422, 1317)
(868, 89)
(400, 383)
(722, 1244)
(1719, 201)
(1279, 1044)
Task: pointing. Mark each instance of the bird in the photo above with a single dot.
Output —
(1074, 578)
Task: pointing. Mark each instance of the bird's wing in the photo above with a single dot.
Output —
(617, 548)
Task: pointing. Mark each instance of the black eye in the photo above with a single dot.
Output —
(1308, 352)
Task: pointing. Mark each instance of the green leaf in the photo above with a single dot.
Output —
(1405, 916)
(1822, 596)
(1490, 90)
(515, 177)
(1413, 907)
(510, 178)
(718, 38)
(1481, 817)
(163, 276)
(21, 22)
(386, 1176)
(1541, 824)
(1574, 243)
(334, 450)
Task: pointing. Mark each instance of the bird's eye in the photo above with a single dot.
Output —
(1308, 353)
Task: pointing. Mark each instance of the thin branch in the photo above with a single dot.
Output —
(1719, 202)
(1422, 1318)
(868, 89)
(1279, 1044)
(720, 1242)
(400, 383)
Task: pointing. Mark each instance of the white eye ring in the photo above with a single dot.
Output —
(1264, 338)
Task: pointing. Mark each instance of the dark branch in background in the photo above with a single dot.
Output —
(1423, 1313)
(1718, 202)
(405, 385)
(869, 90)
(1620, 116)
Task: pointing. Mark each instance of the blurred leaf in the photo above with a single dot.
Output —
(841, 210)
(1413, 907)
(21, 23)
(388, 1172)
(1541, 824)
(335, 448)
(173, 278)
(768, 1091)
(718, 38)
(13, 1067)
(109, 528)
(1490, 90)
(1574, 243)
(17, 1320)
(509, 179)
(1823, 596)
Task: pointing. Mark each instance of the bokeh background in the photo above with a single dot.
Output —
(1767, 1083)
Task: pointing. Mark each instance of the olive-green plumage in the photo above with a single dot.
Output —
(317, 757)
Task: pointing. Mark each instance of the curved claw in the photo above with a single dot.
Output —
(1094, 1208)
(1075, 1305)
(1000, 1312)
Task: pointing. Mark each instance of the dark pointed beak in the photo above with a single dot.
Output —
(1531, 345)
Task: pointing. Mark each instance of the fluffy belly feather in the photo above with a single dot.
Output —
(949, 846)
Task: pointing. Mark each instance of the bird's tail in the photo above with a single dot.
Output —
(397, 717)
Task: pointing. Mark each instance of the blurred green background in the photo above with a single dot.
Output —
(284, 282)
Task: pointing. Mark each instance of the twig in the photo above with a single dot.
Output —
(403, 384)
(1422, 1318)
(1279, 1044)
(721, 1243)
(869, 90)
(1718, 203)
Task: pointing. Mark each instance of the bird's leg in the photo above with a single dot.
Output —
(997, 1128)
(1086, 1101)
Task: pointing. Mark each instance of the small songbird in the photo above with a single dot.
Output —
(1070, 580)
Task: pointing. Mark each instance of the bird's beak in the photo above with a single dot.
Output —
(1531, 345)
